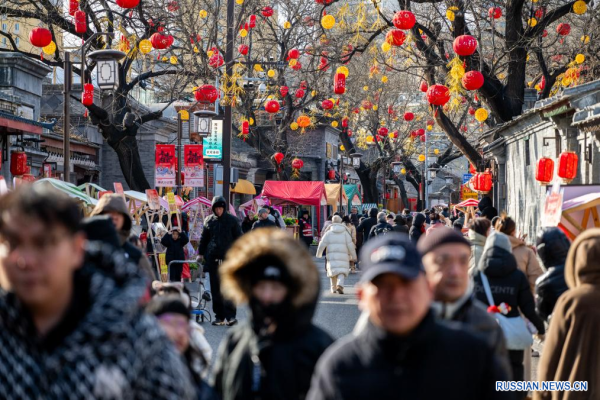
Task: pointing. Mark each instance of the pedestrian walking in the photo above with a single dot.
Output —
(390, 219)
(436, 223)
(403, 347)
(478, 232)
(571, 348)
(263, 220)
(364, 227)
(352, 229)
(326, 225)
(409, 221)
(340, 251)
(115, 207)
(220, 231)
(273, 355)
(510, 295)
(457, 227)
(400, 226)
(306, 229)
(175, 242)
(446, 255)
(276, 217)
(526, 258)
(248, 222)
(417, 228)
(354, 217)
(382, 227)
(552, 248)
(70, 325)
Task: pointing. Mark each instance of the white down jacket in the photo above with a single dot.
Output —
(340, 250)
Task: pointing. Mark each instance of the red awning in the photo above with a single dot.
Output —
(304, 193)
(20, 126)
(468, 203)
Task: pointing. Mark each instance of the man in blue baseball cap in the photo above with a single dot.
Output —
(404, 352)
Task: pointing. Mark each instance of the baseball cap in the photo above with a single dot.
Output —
(392, 253)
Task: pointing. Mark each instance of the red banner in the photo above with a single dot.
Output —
(164, 164)
(193, 165)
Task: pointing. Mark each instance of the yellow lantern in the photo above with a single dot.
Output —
(293, 62)
(370, 139)
(532, 22)
(173, 60)
(251, 121)
(50, 49)
(384, 79)
(196, 49)
(585, 39)
(342, 70)
(164, 59)
(203, 14)
(527, 59)
(538, 87)
(450, 15)
(334, 124)
(342, 148)
(243, 33)
(258, 68)
(287, 25)
(328, 21)
(579, 7)
(421, 157)
(481, 114)
(403, 171)
(566, 81)
(436, 151)
(294, 126)
(429, 127)
(314, 93)
(579, 58)
(185, 116)
(271, 73)
(210, 53)
(385, 47)
(365, 88)
(375, 107)
(239, 2)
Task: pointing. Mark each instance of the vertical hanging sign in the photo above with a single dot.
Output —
(193, 165)
(165, 170)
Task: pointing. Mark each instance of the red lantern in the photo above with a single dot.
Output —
(545, 33)
(216, 61)
(206, 94)
(299, 93)
(297, 163)
(563, 29)
(567, 166)
(345, 122)
(267, 11)
(540, 12)
(283, 91)
(404, 20)
(408, 116)
(394, 135)
(495, 12)
(80, 22)
(252, 21)
(438, 95)
(349, 133)
(383, 131)
(278, 157)
(18, 163)
(423, 88)
(423, 138)
(297, 66)
(327, 104)
(272, 106)
(545, 170)
(367, 105)
(421, 132)
(245, 128)
(542, 83)
(339, 83)
(40, 37)
(472, 80)
(471, 111)
(73, 6)
(483, 182)
(331, 174)
(243, 49)
(128, 3)
(414, 134)
(293, 54)
(395, 37)
(159, 41)
(464, 45)
(87, 98)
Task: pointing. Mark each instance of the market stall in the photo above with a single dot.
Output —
(579, 213)
(333, 196)
(353, 195)
(468, 208)
(87, 203)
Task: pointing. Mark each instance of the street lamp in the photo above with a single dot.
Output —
(356, 159)
(107, 67)
(432, 173)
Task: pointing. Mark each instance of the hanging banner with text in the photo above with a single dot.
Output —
(164, 164)
(193, 165)
(213, 144)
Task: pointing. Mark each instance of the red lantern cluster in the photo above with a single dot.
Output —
(272, 106)
(40, 37)
(243, 49)
(567, 166)
(383, 131)
(339, 83)
(423, 87)
(438, 95)
(545, 170)
(80, 22)
(18, 163)
(472, 80)
(128, 3)
(495, 12)
(395, 37)
(404, 20)
(278, 157)
(283, 91)
(563, 29)
(267, 11)
(160, 41)
(73, 6)
(464, 45)
(327, 104)
(87, 97)
(206, 94)
(483, 182)
(216, 60)
(408, 116)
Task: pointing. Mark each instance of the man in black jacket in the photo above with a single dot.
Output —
(552, 248)
(404, 353)
(382, 227)
(263, 220)
(220, 231)
(273, 355)
(364, 227)
(175, 241)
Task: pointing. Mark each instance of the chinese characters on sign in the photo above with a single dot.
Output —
(467, 193)
(193, 165)
(165, 170)
(213, 144)
(172, 204)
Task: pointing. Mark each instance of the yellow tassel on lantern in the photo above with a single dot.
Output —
(365, 88)
(384, 79)
(313, 93)
(585, 39)
(210, 53)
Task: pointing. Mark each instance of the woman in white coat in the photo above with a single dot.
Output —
(340, 251)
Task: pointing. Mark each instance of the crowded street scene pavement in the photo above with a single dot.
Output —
(299, 200)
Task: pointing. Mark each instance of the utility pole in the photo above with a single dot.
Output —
(384, 196)
(228, 108)
(341, 181)
(67, 118)
(179, 160)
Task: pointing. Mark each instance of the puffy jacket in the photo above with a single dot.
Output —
(477, 244)
(340, 250)
(553, 247)
(174, 247)
(416, 229)
(104, 348)
(507, 283)
(526, 261)
(368, 223)
(218, 234)
(264, 223)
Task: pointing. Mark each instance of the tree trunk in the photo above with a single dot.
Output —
(369, 186)
(131, 164)
(403, 194)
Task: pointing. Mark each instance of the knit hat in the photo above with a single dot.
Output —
(440, 237)
(262, 211)
(167, 304)
(336, 219)
(498, 239)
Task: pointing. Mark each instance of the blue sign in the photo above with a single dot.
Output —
(466, 178)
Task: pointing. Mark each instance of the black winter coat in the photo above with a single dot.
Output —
(380, 229)
(218, 234)
(436, 361)
(247, 224)
(415, 233)
(553, 247)
(508, 285)
(264, 223)
(401, 229)
(174, 247)
(368, 223)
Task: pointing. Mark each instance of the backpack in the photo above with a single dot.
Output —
(381, 231)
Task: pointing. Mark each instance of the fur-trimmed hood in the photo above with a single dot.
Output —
(277, 244)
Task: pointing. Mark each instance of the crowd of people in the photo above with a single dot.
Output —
(444, 314)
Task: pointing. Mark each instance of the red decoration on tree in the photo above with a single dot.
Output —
(540, 12)
(18, 163)
(414, 134)
(283, 91)
(495, 12)
(438, 95)
(383, 131)
(367, 105)
(297, 66)
(40, 37)
(567, 166)
(267, 11)
(395, 37)
(216, 61)
(206, 94)
(278, 157)
(80, 22)
(331, 174)
(299, 93)
(297, 163)
(87, 97)
(408, 116)
(563, 29)
(327, 104)
(293, 54)
(545, 33)
(173, 6)
(483, 182)
(243, 49)
(73, 6)
(128, 3)
(421, 132)
(160, 41)
(345, 122)
(423, 138)
(471, 111)
(339, 83)
(272, 106)
(472, 80)
(404, 20)
(464, 45)
(245, 128)
(252, 21)
(545, 170)
(423, 87)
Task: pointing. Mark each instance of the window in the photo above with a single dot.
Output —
(3, 42)
(527, 162)
(17, 27)
(4, 27)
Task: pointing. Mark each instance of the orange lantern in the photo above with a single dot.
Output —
(18, 163)
(545, 170)
(567, 166)
(303, 121)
